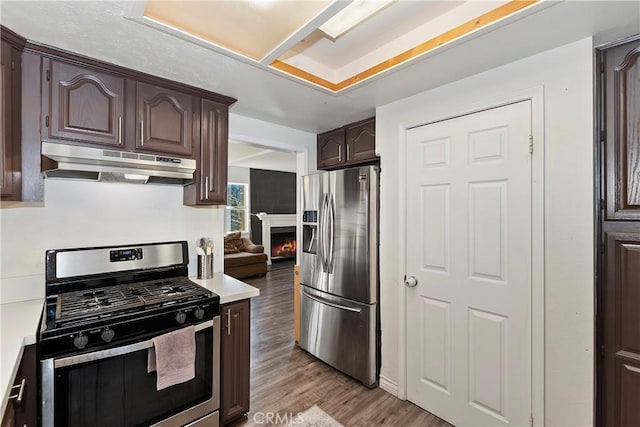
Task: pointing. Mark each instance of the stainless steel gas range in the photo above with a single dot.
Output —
(103, 309)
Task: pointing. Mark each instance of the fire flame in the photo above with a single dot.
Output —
(287, 248)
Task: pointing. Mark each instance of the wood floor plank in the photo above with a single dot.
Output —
(287, 380)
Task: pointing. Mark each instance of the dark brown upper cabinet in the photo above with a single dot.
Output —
(10, 160)
(235, 361)
(331, 148)
(83, 104)
(622, 139)
(361, 141)
(165, 120)
(349, 145)
(210, 186)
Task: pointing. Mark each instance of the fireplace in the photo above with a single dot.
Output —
(283, 243)
(273, 225)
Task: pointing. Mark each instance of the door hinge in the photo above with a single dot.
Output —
(530, 144)
(602, 66)
(46, 121)
(603, 204)
(530, 420)
(13, 65)
(48, 75)
(602, 135)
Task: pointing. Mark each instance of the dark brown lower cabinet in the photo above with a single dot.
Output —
(618, 213)
(22, 408)
(235, 360)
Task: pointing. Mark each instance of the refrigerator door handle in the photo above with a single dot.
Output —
(329, 303)
(322, 240)
(332, 213)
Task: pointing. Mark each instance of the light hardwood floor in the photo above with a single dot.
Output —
(287, 380)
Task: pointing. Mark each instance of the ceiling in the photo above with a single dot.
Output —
(253, 156)
(100, 29)
(300, 39)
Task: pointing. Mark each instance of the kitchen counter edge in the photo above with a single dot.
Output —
(230, 289)
(18, 328)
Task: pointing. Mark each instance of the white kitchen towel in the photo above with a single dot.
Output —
(173, 356)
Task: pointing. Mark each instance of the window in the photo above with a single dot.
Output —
(237, 207)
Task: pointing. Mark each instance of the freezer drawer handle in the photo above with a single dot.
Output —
(329, 303)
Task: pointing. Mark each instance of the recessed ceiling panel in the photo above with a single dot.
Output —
(250, 27)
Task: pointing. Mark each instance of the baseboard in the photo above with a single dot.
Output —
(388, 385)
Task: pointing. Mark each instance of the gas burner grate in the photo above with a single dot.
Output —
(86, 305)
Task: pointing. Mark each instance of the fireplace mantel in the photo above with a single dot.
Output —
(273, 220)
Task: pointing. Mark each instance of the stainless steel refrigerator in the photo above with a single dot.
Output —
(339, 271)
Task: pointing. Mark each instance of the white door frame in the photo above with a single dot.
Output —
(536, 95)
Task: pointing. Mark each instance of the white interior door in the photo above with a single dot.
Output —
(469, 247)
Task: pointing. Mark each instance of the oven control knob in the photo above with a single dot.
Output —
(107, 334)
(199, 313)
(80, 341)
(181, 317)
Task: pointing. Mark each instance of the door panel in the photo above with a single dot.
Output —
(622, 342)
(331, 148)
(349, 234)
(339, 332)
(165, 120)
(312, 197)
(618, 239)
(629, 391)
(86, 105)
(469, 245)
(623, 129)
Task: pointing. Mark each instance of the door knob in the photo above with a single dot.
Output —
(410, 281)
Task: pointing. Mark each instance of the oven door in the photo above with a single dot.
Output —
(112, 387)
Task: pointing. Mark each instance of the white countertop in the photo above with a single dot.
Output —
(18, 328)
(228, 288)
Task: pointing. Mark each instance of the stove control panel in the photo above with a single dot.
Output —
(125, 254)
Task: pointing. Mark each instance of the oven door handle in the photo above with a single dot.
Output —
(118, 351)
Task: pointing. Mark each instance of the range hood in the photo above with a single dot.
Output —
(98, 164)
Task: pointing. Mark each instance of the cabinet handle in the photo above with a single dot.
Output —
(228, 321)
(18, 397)
(339, 153)
(142, 133)
(348, 151)
(206, 184)
(120, 130)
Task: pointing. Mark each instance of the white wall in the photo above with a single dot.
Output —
(238, 174)
(78, 214)
(565, 74)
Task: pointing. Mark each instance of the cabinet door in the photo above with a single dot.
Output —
(622, 139)
(165, 119)
(361, 141)
(84, 104)
(10, 159)
(23, 412)
(331, 149)
(210, 187)
(235, 360)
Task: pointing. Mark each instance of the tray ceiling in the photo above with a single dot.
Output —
(287, 36)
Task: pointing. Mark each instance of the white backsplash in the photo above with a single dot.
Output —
(79, 214)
